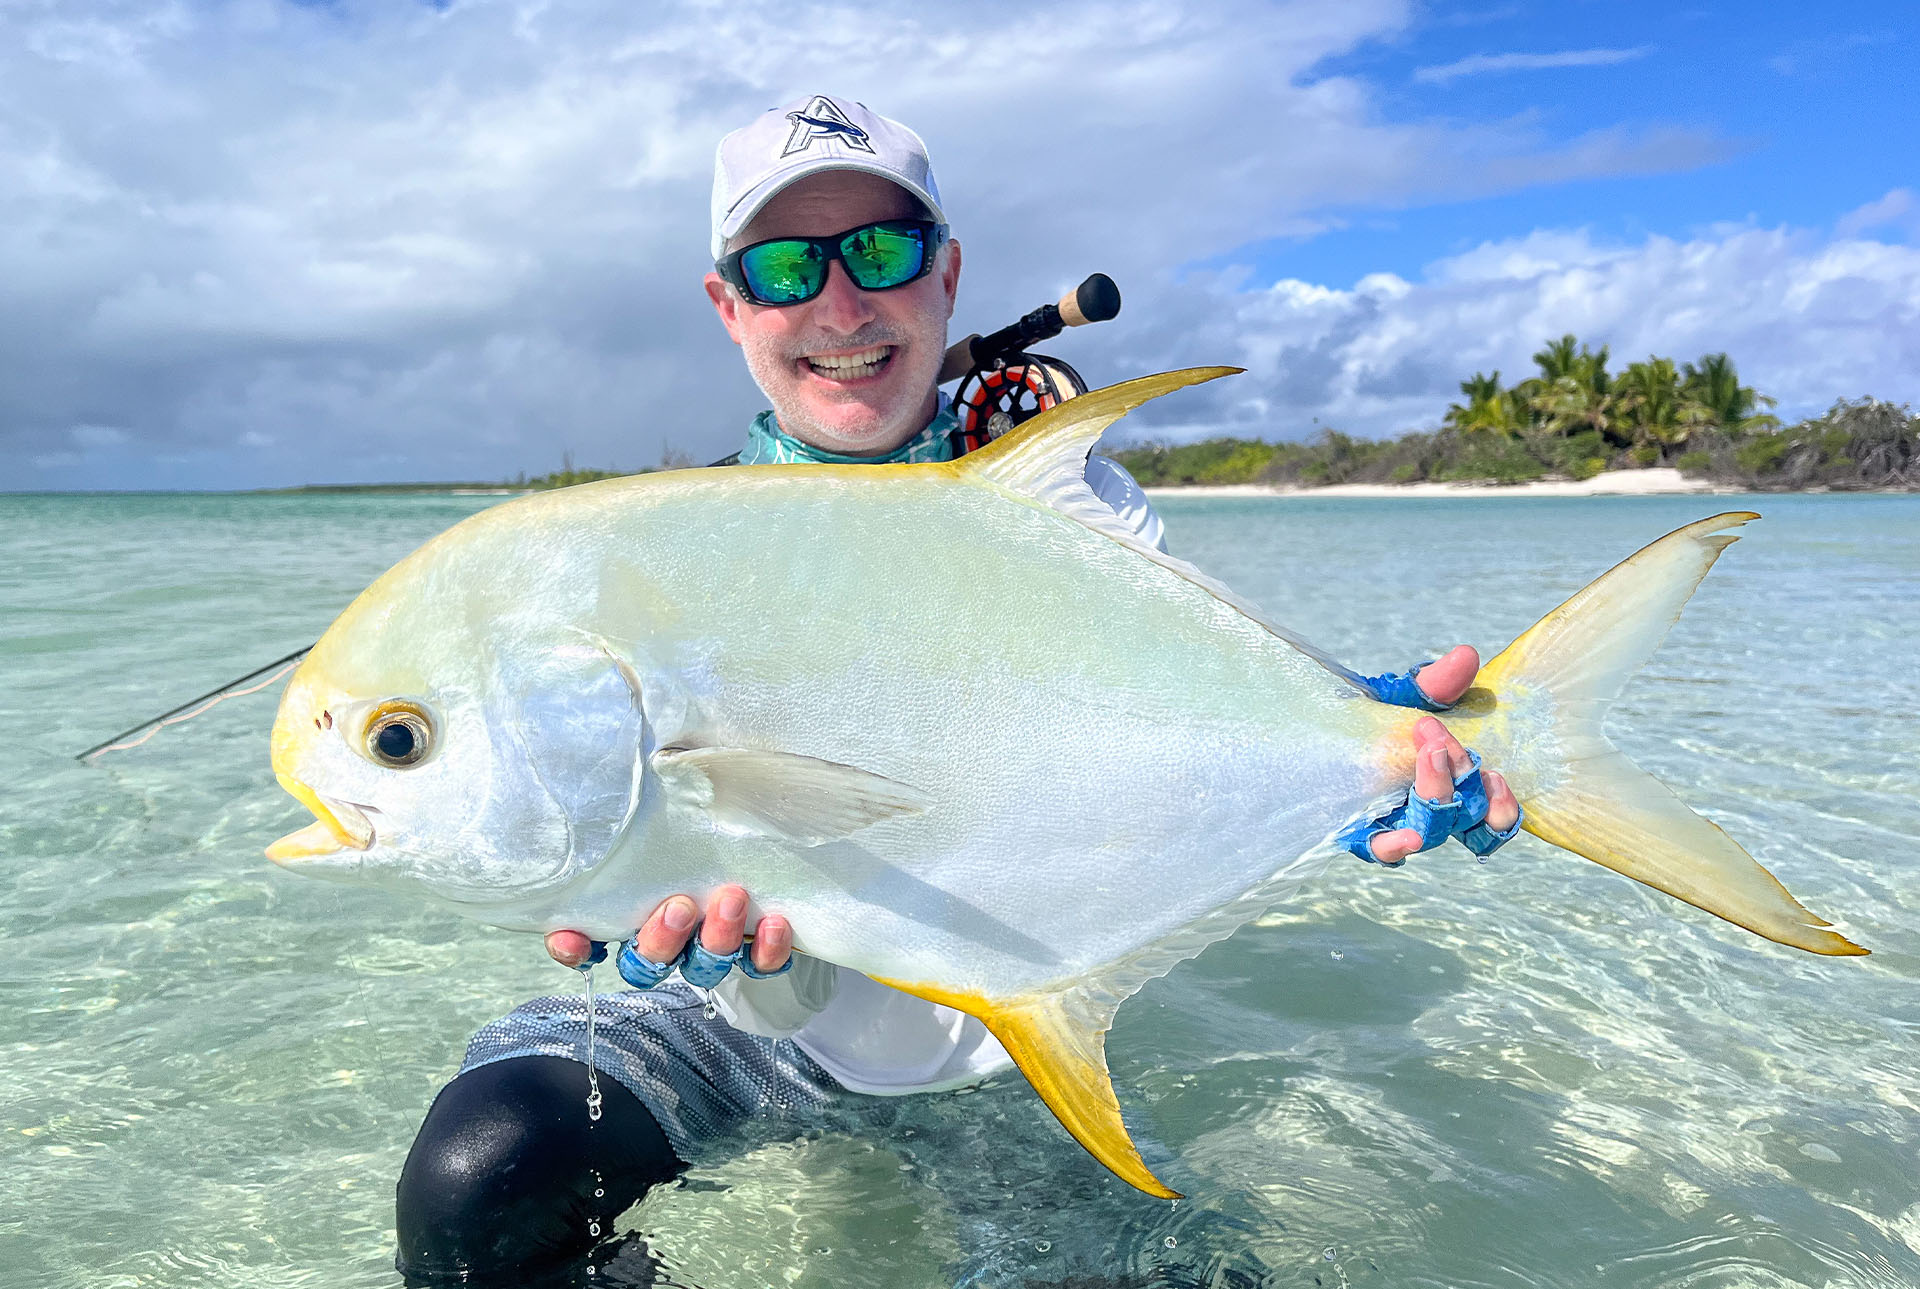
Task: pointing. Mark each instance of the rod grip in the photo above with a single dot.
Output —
(1094, 300)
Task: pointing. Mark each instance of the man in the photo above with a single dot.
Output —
(835, 275)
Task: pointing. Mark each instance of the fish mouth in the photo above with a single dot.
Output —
(337, 826)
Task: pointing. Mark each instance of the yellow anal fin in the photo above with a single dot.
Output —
(1064, 1056)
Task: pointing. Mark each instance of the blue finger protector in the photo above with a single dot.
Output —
(641, 973)
(1357, 838)
(1471, 789)
(1482, 840)
(1435, 821)
(752, 972)
(1398, 688)
(703, 968)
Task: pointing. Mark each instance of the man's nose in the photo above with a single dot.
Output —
(841, 306)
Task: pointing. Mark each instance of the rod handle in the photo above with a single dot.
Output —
(1094, 300)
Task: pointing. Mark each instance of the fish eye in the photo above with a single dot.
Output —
(399, 735)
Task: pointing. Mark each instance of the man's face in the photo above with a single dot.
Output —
(799, 354)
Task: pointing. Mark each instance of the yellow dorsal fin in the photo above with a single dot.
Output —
(1062, 1049)
(1046, 460)
(1047, 457)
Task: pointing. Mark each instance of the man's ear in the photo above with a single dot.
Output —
(950, 272)
(726, 303)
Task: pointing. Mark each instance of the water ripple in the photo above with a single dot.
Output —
(1524, 1073)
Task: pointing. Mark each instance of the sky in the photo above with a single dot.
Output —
(260, 243)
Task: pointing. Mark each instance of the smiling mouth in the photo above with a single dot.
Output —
(337, 825)
(862, 365)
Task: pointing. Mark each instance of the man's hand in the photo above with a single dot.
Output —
(1439, 758)
(668, 928)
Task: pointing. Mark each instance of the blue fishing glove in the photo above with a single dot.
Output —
(1463, 815)
(699, 966)
(1399, 689)
(641, 973)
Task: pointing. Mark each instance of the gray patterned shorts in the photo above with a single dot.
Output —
(702, 1078)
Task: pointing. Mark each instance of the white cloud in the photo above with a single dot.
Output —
(1480, 64)
(394, 239)
(1899, 209)
(1808, 320)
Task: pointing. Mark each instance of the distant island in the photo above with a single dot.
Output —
(1692, 426)
(565, 477)
(1573, 421)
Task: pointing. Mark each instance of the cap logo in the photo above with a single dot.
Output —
(823, 119)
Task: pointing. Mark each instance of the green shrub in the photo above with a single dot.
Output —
(1496, 461)
(1761, 453)
(1694, 463)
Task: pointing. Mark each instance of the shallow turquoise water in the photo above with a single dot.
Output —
(1525, 1073)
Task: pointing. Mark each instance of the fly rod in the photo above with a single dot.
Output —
(229, 690)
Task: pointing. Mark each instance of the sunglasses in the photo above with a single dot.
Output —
(792, 270)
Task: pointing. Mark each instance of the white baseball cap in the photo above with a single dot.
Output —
(803, 138)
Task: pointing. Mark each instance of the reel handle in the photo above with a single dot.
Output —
(1094, 300)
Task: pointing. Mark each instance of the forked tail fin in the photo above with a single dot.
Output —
(1576, 659)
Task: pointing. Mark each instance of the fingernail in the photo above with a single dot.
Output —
(733, 905)
(679, 916)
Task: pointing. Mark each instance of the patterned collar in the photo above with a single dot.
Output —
(768, 444)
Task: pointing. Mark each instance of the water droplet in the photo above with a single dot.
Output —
(599, 1193)
(591, 1269)
(593, 1228)
(1339, 956)
(1045, 1246)
(1483, 858)
(1329, 1253)
(1170, 1242)
(593, 1071)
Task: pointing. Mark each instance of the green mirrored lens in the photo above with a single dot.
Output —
(784, 272)
(878, 256)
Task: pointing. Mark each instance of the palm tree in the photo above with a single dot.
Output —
(1557, 359)
(1575, 391)
(1487, 409)
(1655, 410)
(1734, 407)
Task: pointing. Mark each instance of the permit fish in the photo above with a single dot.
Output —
(954, 721)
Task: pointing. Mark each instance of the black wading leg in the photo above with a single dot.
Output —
(500, 1181)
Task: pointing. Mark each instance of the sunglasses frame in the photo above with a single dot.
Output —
(729, 265)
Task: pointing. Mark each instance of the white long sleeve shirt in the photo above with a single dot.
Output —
(871, 1038)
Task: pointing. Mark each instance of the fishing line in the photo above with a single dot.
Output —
(205, 702)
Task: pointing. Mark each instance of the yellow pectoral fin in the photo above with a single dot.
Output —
(1063, 1055)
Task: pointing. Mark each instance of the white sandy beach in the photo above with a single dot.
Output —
(1633, 483)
